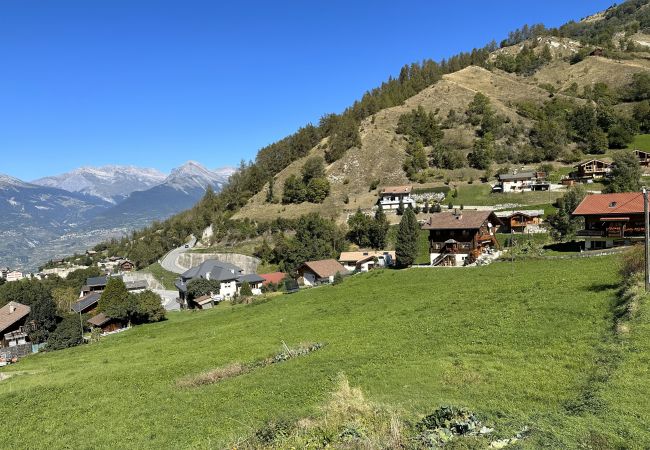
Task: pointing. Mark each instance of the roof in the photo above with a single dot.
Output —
(11, 313)
(460, 220)
(136, 284)
(86, 301)
(99, 281)
(604, 204)
(99, 320)
(220, 271)
(275, 277)
(202, 300)
(397, 190)
(325, 268)
(593, 160)
(251, 278)
(516, 176)
(524, 212)
(362, 255)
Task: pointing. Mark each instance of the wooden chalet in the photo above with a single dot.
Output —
(594, 169)
(323, 271)
(611, 220)
(460, 237)
(86, 304)
(643, 157)
(13, 324)
(390, 197)
(126, 266)
(520, 221)
(105, 323)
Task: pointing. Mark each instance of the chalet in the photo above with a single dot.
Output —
(366, 260)
(87, 303)
(611, 220)
(106, 324)
(94, 284)
(643, 157)
(204, 302)
(313, 273)
(391, 197)
(594, 169)
(522, 181)
(460, 237)
(13, 324)
(126, 266)
(520, 221)
(273, 278)
(229, 276)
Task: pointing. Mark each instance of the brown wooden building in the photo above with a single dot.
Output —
(520, 221)
(460, 237)
(611, 220)
(594, 169)
(643, 157)
(106, 323)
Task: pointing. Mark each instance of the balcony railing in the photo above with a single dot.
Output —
(611, 233)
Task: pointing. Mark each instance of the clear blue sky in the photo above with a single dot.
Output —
(155, 83)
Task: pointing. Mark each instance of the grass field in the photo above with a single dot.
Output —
(518, 343)
(481, 195)
(641, 142)
(164, 276)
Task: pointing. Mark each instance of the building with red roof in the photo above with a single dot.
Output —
(611, 220)
(275, 278)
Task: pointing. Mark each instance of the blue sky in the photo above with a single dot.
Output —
(155, 83)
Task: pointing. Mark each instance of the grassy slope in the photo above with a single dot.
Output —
(641, 142)
(164, 276)
(479, 194)
(515, 342)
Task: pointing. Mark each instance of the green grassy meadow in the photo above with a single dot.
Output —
(641, 142)
(480, 194)
(518, 343)
(164, 276)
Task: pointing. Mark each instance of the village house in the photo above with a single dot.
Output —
(365, 260)
(460, 237)
(390, 197)
(520, 221)
(273, 278)
(14, 275)
(87, 303)
(521, 182)
(13, 324)
(98, 284)
(229, 276)
(106, 324)
(126, 266)
(323, 271)
(643, 157)
(611, 220)
(3, 272)
(594, 169)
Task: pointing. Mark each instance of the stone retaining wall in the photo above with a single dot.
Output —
(249, 264)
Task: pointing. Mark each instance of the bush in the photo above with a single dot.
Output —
(67, 334)
(633, 261)
(338, 278)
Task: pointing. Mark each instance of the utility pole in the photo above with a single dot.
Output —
(647, 239)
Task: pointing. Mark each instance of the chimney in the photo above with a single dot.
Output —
(12, 307)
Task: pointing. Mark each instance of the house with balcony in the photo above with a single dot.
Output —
(460, 237)
(390, 197)
(520, 221)
(521, 182)
(594, 169)
(643, 157)
(611, 220)
(365, 260)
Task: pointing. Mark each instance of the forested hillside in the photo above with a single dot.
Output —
(540, 95)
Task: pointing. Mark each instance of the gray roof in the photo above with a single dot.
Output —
(99, 281)
(251, 278)
(136, 284)
(86, 301)
(217, 270)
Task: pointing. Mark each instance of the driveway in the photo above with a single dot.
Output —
(169, 261)
(168, 299)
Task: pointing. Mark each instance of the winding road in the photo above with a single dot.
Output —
(169, 261)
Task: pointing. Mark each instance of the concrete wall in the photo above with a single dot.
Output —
(151, 281)
(249, 264)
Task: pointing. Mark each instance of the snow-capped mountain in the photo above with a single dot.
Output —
(67, 213)
(110, 183)
(31, 215)
(184, 186)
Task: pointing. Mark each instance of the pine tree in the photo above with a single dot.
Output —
(245, 290)
(379, 230)
(400, 208)
(270, 196)
(115, 301)
(406, 247)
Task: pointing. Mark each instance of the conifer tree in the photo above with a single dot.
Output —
(406, 247)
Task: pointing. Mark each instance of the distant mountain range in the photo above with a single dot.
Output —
(58, 215)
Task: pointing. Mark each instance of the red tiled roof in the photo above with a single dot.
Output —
(275, 277)
(604, 204)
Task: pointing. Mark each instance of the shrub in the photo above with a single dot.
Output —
(632, 261)
(67, 334)
(338, 278)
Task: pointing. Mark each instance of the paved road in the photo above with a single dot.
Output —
(169, 299)
(168, 262)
